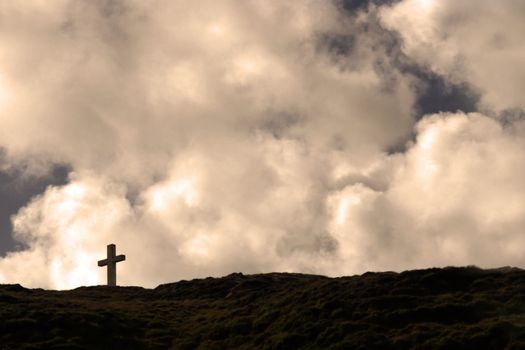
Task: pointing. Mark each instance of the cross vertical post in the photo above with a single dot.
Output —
(111, 263)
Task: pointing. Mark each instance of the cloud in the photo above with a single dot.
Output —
(239, 136)
(208, 133)
(455, 198)
(64, 228)
(482, 47)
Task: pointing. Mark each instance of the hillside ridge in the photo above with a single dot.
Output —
(437, 308)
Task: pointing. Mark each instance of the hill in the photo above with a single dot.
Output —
(450, 308)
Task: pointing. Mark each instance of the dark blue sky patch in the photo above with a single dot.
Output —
(15, 192)
(357, 5)
(438, 95)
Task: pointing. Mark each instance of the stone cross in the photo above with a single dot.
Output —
(111, 263)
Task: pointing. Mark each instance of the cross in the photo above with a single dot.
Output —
(111, 263)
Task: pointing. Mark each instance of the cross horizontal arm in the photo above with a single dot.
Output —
(103, 262)
(119, 258)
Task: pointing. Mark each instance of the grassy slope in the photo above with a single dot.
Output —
(452, 308)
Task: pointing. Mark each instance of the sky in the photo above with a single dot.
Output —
(217, 136)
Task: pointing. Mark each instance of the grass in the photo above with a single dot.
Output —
(451, 308)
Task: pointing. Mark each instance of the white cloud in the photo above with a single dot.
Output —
(456, 199)
(178, 105)
(65, 228)
(222, 136)
(479, 43)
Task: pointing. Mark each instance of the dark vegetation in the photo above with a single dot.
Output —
(451, 308)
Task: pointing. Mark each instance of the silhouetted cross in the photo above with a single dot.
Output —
(111, 263)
